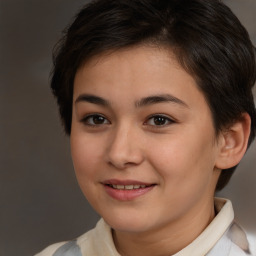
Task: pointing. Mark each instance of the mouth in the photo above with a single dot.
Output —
(127, 190)
(127, 187)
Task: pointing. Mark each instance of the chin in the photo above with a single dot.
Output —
(128, 222)
(129, 227)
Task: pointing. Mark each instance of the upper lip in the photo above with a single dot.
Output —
(125, 182)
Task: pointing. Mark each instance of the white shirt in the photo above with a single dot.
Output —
(222, 237)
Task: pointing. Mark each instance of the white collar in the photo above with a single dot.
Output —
(101, 240)
(213, 232)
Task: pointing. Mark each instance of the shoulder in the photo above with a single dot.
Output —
(240, 241)
(234, 242)
(50, 249)
(97, 241)
(68, 248)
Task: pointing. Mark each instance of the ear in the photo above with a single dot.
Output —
(233, 143)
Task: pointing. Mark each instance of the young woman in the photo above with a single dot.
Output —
(156, 97)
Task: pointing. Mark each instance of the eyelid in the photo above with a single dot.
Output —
(170, 119)
(91, 115)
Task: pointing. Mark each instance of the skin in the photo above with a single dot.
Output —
(116, 137)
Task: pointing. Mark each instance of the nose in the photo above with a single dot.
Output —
(125, 148)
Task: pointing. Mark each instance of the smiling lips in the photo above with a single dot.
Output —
(126, 187)
(126, 190)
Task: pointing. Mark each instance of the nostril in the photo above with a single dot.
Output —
(124, 149)
(121, 165)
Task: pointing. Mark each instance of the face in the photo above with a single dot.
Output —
(142, 140)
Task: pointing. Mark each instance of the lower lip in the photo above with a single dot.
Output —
(125, 194)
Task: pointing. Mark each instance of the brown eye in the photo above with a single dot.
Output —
(98, 120)
(95, 120)
(159, 120)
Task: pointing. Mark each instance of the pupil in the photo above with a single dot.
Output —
(98, 119)
(159, 120)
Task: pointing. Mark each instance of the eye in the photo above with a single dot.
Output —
(95, 120)
(159, 120)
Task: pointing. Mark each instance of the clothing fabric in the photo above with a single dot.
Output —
(222, 237)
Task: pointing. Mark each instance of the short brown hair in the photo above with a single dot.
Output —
(208, 40)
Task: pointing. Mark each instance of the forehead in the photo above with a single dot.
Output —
(139, 69)
(141, 62)
(136, 60)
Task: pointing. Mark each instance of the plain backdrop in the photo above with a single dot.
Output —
(40, 202)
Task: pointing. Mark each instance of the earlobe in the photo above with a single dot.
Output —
(233, 143)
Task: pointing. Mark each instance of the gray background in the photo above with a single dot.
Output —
(40, 202)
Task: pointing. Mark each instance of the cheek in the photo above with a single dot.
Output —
(185, 159)
(84, 155)
(185, 167)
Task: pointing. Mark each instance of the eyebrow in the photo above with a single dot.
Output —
(162, 98)
(92, 99)
(150, 100)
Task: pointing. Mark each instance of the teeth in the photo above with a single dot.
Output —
(127, 187)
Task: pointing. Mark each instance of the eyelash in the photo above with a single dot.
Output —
(91, 118)
(86, 120)
(163, 117)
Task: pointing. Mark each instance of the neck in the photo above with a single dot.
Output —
(166, 240)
